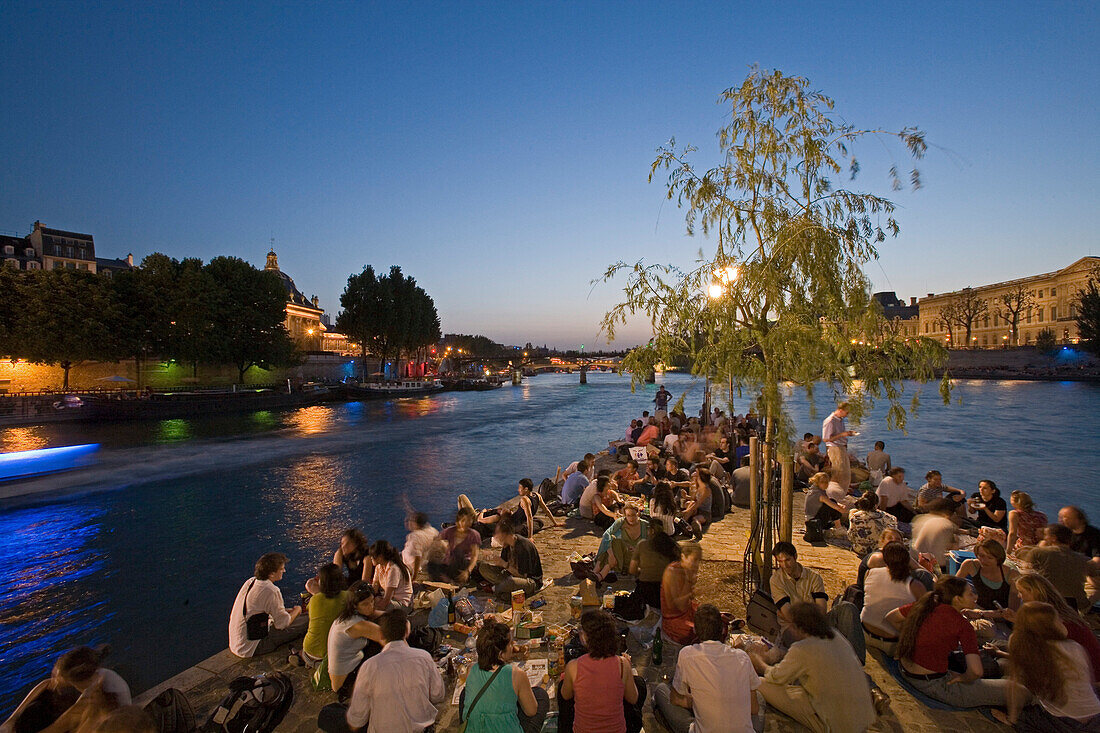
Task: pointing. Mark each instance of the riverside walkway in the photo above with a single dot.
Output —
(719, 583)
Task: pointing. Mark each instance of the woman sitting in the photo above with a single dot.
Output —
(884, 590)
(697, 504)
(931, 629)
(498, 695)
(648, 565)
(352, 557)
(990, 508)
(874, 560)
(866, 523)
(663, 508)
(599, 691)
(328, 600)
(353, 637)
(822, 507)
(460, 549)
(392, 580)
(1052, 668)
(522, 509)
(77, 687)
(1035, 588)
(1025, 523)
(992, 581)
(678, 602)
(618, 544)
(605, 504)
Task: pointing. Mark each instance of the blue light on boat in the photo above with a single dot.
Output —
(28, 463)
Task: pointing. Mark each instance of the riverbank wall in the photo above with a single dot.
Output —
(1066, 363)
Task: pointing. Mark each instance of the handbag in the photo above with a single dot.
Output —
(462, 723)
(814, 532)
(256, 625)
(320, 679)
(761, 615)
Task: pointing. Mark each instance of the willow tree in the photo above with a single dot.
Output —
(783, 296)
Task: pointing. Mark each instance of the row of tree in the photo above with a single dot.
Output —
(222, 312)
(388, 316)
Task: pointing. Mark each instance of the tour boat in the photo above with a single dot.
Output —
(402, 388)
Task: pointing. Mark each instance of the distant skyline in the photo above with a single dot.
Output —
(499, 152)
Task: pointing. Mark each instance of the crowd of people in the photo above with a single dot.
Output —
(1004, 628)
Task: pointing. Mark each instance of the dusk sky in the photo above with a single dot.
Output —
(499, 152)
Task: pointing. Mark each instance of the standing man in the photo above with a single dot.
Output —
(835, 433)
(661, 400)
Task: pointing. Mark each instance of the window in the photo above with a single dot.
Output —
(70, 265)
(29, 251)
(926, 328)
(32, 266)
(985, 341)
(1053, 292)
(986, 321)
(58, 265)
(82, 266)
(1072, 310)
(1054, 313)
(80, 253)
(1040, 313)
(1029, 315)
(1027, 337)
(1040, 294)
(996, 319)
(8, 249)
(68, 251)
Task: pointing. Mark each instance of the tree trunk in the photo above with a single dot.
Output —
(66, 366)
(240, 373)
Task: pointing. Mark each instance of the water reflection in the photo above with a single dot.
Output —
(17, 439)
(311, 420)
(312, 493)
(173, 431)
(264, 419)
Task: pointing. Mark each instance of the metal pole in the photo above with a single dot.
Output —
(786, 501)
(754, 480)
(767, 529)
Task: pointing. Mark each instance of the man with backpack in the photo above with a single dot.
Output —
(396, 691)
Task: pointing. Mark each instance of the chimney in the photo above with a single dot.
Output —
(314, 301)
(130, 259)
(930, 295)
(913, 300)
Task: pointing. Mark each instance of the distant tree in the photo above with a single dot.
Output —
(949, 315)
(1045, 341)
(248, 315)
(144, 304)
(364, 312)
(1088, 315)
(68, 316)
(193, 336)
(968, 310)
(1011, 304)
(11, 285)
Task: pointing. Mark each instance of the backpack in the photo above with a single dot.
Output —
(252, 705)
(761, 614)
(548, 490)
(422, 635)
(814, 532)
(172, 712)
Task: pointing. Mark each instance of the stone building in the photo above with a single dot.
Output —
(17, 253)
(304, 316)
(1053, 298)
(57, 249)
(904, 318)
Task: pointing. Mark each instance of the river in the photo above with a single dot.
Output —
(150, 560)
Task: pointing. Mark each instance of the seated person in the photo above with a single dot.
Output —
(885, 589)
(650, 433)
(1056, 561)
(417, 542)
(586, 465)
(1053, 669)
(821, 506)
(992, 581)
(392, 580)
(353, 637)
(648, 565)
(721, 458)
(831, 690)
(1025, 522)
(654, 472)
(523, 509)
(875, 560)
(504, 697)
(619, 542)
(794, 583)
(352, 557)
(866, 523)
(678, 595)
(1032, 587)
(810, 462)
(599, 690)
(460, 545)
(328, 599)
(59, 703)
(518, 567)
(991, 509)
(878, 460)
(893, 495)
(741, 483)
(697, 504)
(934, 488)
(663, 508)
(931, 629)
(625, 478)
(260, 595)
(574, 486)
(605, 505)
(934, 532)
(714, 686)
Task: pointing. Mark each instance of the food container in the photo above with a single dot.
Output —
(575, 606)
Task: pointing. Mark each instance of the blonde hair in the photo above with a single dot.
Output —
(691, 548)
(818, 477)
(1023, 500)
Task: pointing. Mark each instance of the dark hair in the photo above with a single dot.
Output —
(527, 483)
(632, 464)
(1061, 533)
(269, 564)
(465, 512)
(78, 665)
(868, 502)
(589, 458)
(394, 624)
(359, 541)
(879, 444)
(603, 472)
(807, 436)
(708, 623)
(942, 505)
(383, 550)
(895, 471)
(358, 592)
(420, 519)
(896, 557)
(811, 620)
(332, 579)
(944, 591)
(703, 474)
(663, 498)
(492, 639)
(784, 548)
(601, 636)
(928, 476)
(504, 526)
(994, 548)
(602, 483)
(992, 485)
(664, 545)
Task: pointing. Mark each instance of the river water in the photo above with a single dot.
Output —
(150, 560)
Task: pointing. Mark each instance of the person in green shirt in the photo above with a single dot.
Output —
(328, 600)
(507, 702)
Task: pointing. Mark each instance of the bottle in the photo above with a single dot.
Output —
(657, 647)
(450, 610)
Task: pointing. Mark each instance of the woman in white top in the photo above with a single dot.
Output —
(353, 637)
(392, 580)
(1055, 670)
(885, 589)
(77, 675)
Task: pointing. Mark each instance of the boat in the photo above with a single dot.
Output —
(473, 384)
(167, 405)
(386, 390)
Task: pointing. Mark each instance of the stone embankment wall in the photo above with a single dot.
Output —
(1024, 362)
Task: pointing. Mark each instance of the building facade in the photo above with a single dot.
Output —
(903, 319)
(304, 316)
(57, 249)
(1053, 305)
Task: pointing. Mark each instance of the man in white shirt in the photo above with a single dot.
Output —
(893, 495)
(835, 433)
(714, 688)
(259, 594)
(396, 691)
(418, 542)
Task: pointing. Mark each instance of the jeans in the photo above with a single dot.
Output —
(632, 713)
(678, 719)
(504, 582)
(279, 637)
(976, 694)
(529, 723)
(1035, 719)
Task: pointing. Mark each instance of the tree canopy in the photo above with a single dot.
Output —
(1088, 314)
(782, 296)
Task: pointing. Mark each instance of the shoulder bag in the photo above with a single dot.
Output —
(256, 625)
(493, 676)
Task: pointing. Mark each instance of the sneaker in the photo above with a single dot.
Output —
(295, 660)
(611, 577)
(881, 701)
(696, 531)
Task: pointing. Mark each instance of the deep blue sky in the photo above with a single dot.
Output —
(499, 152)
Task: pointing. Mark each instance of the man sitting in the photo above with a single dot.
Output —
(649, 434)
(893, 495)
(810, 462)
(1056, 561)
(625, 478)
(879, 460)
(574, 486)
(1085, 541)
(714, 686)
(934, 532)
(519, 566)
(396, 691)
(934, 488)
(260, 595)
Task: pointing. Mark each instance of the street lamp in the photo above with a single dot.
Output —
(720, 278)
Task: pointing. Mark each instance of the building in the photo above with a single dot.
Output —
(17, 253)
(303, 315)
(56, 249)
(1053, 305)
(904, 318)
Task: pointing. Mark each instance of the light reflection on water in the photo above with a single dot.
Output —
(152, 568)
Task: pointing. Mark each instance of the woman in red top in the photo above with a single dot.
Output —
(1033, 587)
(678, 602)
(1025, 523)
(931, 629)
(599, 691)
